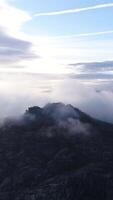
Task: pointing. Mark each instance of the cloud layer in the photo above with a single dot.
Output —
(13, 50)
(18, 92)
(95, 67)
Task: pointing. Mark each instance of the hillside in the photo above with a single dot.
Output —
(56, 153)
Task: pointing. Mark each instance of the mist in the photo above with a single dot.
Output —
(97, 103)
(20, 91)
(75, 126)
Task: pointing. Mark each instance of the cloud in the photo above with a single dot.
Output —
(97, 104)
(94, 67)
(12, 18)
(99, 33)
(14, 50)
(76, 10)
(74, 126)
(20, 91)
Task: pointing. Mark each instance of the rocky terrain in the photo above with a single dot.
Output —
(56, 153)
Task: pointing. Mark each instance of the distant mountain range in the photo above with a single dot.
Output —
(56, 153)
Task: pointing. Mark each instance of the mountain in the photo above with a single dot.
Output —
(56, 153)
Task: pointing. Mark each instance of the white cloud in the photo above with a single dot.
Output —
(65, 50)
(19, 91)
(14, 46)
(12, 18)
(76, 10)
(99, 33)
(55, 52)
(97, 104)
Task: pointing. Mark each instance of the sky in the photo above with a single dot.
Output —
(50, 35)
(49, 45)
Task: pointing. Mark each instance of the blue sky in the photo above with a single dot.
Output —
(91, 21)
(54, 34)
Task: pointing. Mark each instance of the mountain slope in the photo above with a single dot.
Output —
(56, 153)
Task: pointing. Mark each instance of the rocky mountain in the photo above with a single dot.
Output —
(56, 153)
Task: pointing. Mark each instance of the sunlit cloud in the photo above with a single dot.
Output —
(12, 18)
(13, 49)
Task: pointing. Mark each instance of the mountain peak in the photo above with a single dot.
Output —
(53, 112)
(61, 111)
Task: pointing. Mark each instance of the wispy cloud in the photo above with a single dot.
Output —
(76, 10)
(87, 34)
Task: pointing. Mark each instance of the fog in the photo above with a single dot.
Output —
(75, 126)
(19, 91)
(97, 103)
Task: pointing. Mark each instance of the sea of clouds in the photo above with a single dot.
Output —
(19, 91)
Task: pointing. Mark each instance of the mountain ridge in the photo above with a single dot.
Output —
(48, 155)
